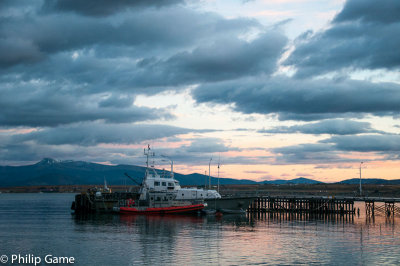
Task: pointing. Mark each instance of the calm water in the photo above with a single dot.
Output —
(41, 224)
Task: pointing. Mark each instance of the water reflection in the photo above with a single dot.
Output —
(303, 217)
(42, 224)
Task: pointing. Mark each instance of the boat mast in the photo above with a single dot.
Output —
(147, 153)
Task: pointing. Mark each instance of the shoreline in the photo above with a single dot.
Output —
(371, 190)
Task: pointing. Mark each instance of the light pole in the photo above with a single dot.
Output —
(360, 179)
(209, 174)
(218, 177)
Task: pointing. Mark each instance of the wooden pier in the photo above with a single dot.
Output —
(321, 205)
(387, 207)
(324, 205)
(310, 205)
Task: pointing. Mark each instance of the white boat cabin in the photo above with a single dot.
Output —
(153, 182)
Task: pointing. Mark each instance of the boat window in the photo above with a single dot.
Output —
(156, 183)
(164, 183)
(170, 184)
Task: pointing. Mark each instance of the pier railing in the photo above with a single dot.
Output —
(323, 205)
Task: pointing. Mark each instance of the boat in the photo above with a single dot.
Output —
(162, 194)
(228, 204)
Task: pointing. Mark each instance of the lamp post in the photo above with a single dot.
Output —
(218, 177)
(209, 174)
(360, 179)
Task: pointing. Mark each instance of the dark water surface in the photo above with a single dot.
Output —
(41, 224)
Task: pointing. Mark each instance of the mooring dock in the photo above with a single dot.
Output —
(92, 202)
(323, 205)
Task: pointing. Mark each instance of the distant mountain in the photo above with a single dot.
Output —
(53, 172)
(300, 180)
(371, 181)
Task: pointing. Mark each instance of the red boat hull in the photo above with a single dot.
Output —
(163, 210)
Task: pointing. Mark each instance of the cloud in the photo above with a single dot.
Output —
(208, 145)
(370, 11)
(41, 104)
(334, 126)
(118, 101)
(149, 33)
(366, 143)
(334, 150)
(303, 99)
(362, 36)
(225, 59)
(256, 172)
(15, 50)
(304, 174)
(102, 7)
(91, 134)
(306, 154)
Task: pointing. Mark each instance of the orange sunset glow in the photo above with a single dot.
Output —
(268, 90)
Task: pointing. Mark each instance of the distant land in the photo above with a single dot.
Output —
(53, 172)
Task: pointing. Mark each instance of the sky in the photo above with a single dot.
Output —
(275, 89)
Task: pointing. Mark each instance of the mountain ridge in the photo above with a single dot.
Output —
(49, 171)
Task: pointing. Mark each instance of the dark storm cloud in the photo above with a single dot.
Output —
(15, 50)
(335, 127)
(103, 7)
(303, 99)
(118, 101)
(60, 68)
(227, 58)
(38, 104)
(91, 134)
(306, 153)
(386, 11)
(151, 30)
(364, 35)
(230, 58)
(332, 150)
(366, 143)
